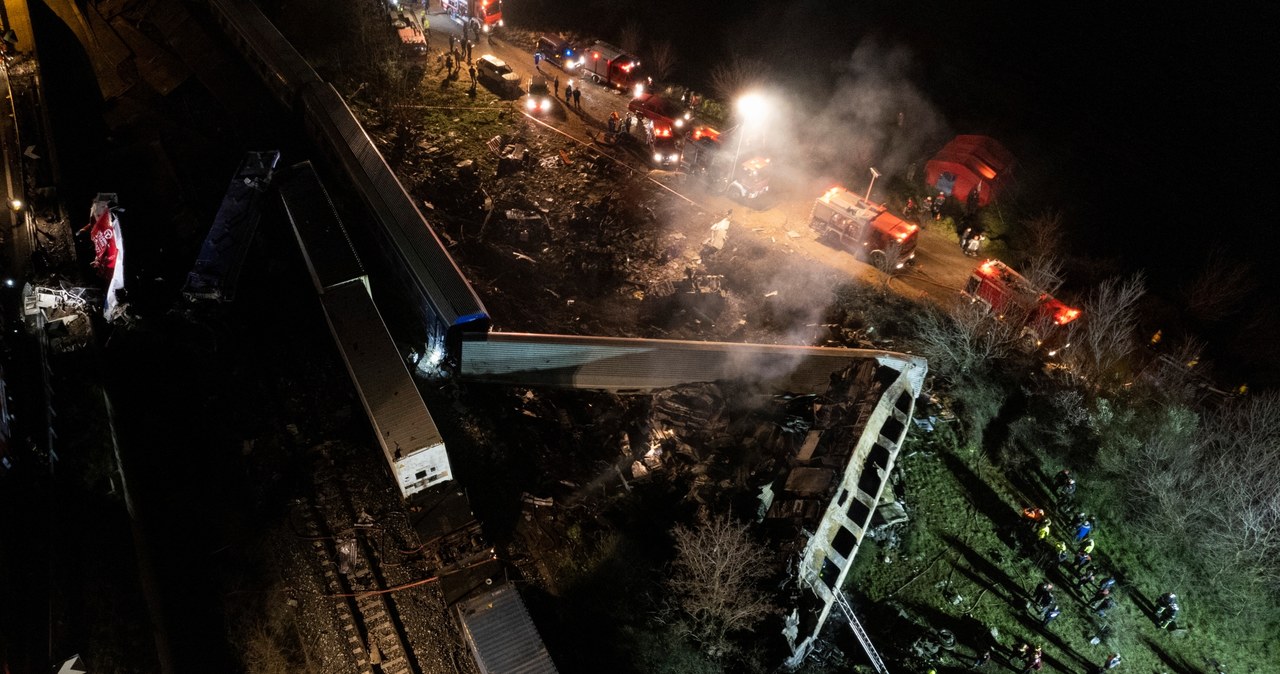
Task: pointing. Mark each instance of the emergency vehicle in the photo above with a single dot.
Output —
(606, 64)
(482, 15)
(1012, 297)
(412, 42)
(867, 230)
(751, 180)
(662, 142)
(661, 110)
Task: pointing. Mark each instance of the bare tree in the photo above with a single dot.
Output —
(1220, 286)
(631, 37)
(1241, 449)
(966, 338)
(1044, 235)
(739, 73)
(1104, 336)
(715, 581)
(1044, 271)
(662, 60)
(891, 263)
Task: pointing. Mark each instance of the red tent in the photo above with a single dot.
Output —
(968, 163)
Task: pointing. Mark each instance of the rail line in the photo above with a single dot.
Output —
(352, 573)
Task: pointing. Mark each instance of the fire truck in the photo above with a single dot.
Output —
(606, 64)
(478, 15)
(867, 230)
(1012, 297)
(704, 156)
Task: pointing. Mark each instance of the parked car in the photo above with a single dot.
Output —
(498, 74)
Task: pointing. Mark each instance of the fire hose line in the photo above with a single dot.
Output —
(405, 586)
(612, 159)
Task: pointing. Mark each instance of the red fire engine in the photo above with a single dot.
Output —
(482, 15)
(865, 229)
(1013, 298)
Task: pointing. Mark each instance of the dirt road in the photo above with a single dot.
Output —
(939, 272)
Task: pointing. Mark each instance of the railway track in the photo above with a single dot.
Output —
(351, 572)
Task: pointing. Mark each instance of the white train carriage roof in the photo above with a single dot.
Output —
(395, 408)
(624, 364)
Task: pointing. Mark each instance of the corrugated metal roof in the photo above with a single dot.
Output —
(399, 416)
(502, 636)
(620, 364)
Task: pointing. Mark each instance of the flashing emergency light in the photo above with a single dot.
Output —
(1065, 315)
(662, 132)
(987, 268)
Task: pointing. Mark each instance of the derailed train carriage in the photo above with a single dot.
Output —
(448, 309)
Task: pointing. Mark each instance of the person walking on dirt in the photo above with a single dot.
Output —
(577, 98)
(972, 246)
(469, 45)
(568, 93)
(472, 72)
(537, 61)
(556, 84)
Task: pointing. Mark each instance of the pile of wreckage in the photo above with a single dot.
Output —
(61, 313)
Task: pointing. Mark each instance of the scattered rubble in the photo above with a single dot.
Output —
(63, 312)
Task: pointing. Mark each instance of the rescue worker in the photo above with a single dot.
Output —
(1083, 529)
(568, 93)
(577, 98)
(1166, 610)
(972, 246)
(1087, 546)
(1043, 530)
(556, 84)
(537, 61)
(1110, 663)
(1043, 595)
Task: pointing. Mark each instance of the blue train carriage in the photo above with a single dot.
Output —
(221, 259)
(447, 306)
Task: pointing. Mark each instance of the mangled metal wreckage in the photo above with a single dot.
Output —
(821, 503)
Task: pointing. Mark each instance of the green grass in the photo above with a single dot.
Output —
(955, 568)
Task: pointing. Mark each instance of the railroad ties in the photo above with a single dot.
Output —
(351, 570)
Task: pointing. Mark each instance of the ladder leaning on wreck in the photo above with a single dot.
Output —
(861, 633)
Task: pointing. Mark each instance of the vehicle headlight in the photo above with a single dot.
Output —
(657, 156)
(679, 123)
(486, 28)
(673, 157)
(546, 104)
(501, 23)
(530, 104)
